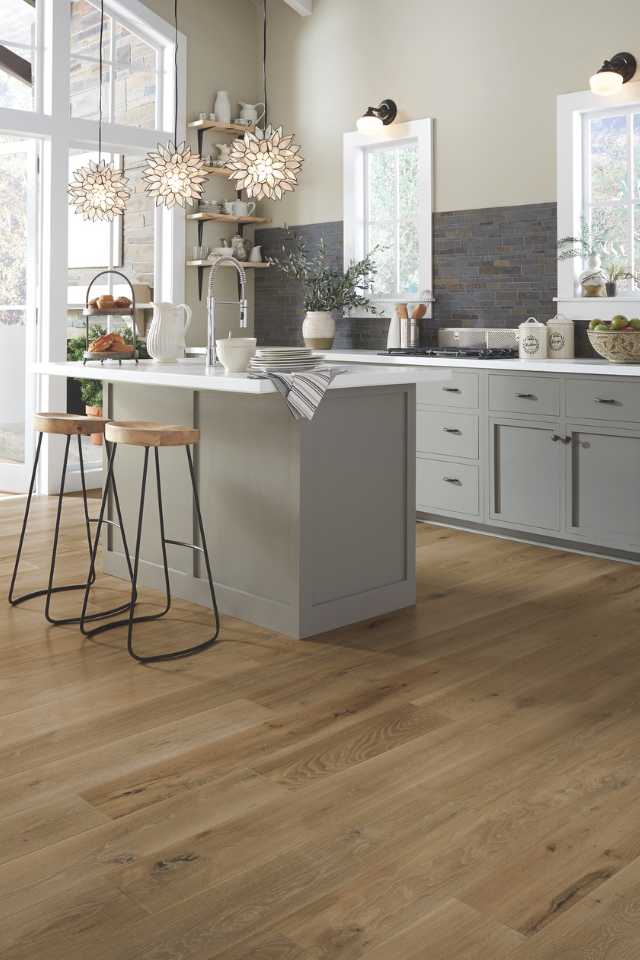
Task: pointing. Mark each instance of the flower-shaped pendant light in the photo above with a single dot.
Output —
(174, 174)
(265, 163)
(98, 191)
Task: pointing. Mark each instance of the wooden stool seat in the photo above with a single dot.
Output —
(68, 424)
(143, 433)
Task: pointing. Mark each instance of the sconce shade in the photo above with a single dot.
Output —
(613, 74)
(369, 123)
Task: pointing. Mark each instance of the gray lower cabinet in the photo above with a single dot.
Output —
(555, 456)
(604, 469)
(526, 474)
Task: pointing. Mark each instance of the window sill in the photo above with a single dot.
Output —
(621, 299)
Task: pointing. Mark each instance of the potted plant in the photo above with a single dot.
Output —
(590, 245)
(616, 272)
(91, 393)
(327, 289)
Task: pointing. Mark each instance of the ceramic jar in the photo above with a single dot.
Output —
(561, 338)
(532, 338)
(222, 107)
(319, 329)
(593, 281)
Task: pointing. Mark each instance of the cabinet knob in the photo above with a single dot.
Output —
(451, 389)
(451, 430)
(526, 396)
(454, 480)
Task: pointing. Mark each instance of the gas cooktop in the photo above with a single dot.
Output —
(476, 353)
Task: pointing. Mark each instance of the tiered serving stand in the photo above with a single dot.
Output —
(91, 313)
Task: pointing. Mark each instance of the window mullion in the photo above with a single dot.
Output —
(631, 181)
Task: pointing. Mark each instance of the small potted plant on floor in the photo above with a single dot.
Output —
(327, 289)
(91, 393)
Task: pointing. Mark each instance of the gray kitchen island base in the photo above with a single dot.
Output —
(310, 526)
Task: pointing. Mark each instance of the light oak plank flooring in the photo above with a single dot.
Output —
(457, 781)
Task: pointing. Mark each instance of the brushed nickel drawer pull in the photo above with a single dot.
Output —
(452, 430)
(526, 396)
(451, 389)
(454, 480)
(609, 400)
(555, 437)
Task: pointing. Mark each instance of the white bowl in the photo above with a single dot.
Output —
(235, 353)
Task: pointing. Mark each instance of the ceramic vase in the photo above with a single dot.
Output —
(222, 107)
(319, 329)
(593, 280)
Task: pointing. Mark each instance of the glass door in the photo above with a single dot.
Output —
(18, 297)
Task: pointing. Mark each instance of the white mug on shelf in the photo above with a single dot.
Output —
(243, 208)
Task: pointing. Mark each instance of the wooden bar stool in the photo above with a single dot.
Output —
(68, 425)
(150, 435)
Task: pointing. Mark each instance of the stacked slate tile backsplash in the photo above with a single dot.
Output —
(492, 267)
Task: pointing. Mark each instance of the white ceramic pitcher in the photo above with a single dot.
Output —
(166, 337)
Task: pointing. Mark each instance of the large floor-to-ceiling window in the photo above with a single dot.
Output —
(49, 94)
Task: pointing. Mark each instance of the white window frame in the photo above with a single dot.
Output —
(58, 133)
(572, 110)
(355, 148)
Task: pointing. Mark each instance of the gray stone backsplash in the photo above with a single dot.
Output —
(492, 267)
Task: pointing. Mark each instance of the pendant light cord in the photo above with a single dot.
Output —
(175, 73)
(264, 63)
(100, 76)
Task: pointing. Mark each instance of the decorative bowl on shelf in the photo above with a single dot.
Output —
(616, 346)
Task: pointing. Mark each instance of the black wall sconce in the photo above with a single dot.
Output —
(378, 117)
(613, 73)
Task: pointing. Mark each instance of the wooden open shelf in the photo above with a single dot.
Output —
(245, 263)
(226, 218)
(218, 171)
(233, 128)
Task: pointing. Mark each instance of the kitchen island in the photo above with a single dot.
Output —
(310, 525)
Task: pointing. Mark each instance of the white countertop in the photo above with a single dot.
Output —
(193, 376)
(590, 367)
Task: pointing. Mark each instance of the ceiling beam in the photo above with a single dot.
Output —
(15, 65)
(303, 7)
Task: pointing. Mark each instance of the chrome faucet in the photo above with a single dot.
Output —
(212, 302)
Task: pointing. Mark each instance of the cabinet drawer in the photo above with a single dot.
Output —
(458, 390)
(443, 487)
(524, 394)
(603, 400)
(448, 434)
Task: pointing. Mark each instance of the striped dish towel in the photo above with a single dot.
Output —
(304, 391)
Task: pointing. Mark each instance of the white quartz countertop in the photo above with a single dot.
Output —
(193, 376)
(589, 367)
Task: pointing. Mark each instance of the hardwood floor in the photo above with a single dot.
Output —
(458, 781)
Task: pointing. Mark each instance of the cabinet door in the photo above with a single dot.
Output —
(603, 484)
(526, 474)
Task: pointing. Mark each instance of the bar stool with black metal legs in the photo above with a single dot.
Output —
(68, 425)
(147, 436)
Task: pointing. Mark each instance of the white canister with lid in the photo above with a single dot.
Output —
(532, 338)
(561, 338)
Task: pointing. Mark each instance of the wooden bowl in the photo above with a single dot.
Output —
(616, 346)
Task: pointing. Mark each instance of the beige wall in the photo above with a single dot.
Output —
(488, 72)
(223, 54)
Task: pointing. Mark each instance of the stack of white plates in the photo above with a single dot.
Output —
(284, 359)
